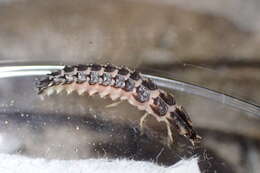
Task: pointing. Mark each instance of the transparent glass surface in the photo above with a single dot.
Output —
(81, 127)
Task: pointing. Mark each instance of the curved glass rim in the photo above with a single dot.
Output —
(253, 110)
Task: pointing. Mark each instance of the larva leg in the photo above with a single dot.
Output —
(113, 104)
(169, 133)
(42, 97)
(50, 91)
(69, 90)
(81, 91)
(142, 120)
(58, 89)
(92, 92)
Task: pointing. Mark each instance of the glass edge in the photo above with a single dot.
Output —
(252, 110)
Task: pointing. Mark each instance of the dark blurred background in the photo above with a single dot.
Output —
(214, 44)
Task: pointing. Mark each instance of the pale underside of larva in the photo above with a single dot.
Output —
(123, 84)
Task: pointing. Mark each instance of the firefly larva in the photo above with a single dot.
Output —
(124, 84)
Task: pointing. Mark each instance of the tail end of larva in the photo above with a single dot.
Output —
(43, 84)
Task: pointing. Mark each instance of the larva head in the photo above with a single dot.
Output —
(180, 119)
(193, 137)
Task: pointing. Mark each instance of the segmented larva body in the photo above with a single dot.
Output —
(124, 84)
